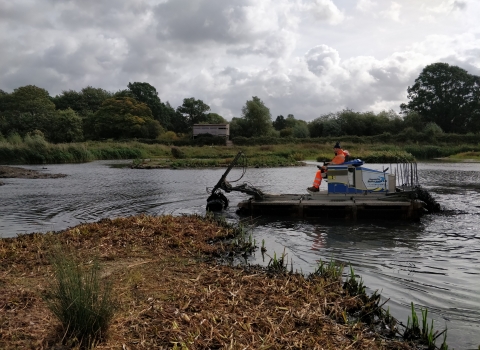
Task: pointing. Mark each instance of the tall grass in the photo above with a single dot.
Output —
(33, 149)
(80, 300)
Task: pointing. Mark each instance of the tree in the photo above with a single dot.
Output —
(194, 111)
(214, 118)
(279, 123)
(413, 120)
(257, 117)
(448, 96)
(65, 126)
(300, 130)
(124, 117)
(290, 121)
(26, 109)
(332, 127)
(146, 93)
(316, 126)
(238, 127)
(87, 101)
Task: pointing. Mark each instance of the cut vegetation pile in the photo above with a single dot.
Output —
(170, 292)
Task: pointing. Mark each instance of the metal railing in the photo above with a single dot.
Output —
(406, 175)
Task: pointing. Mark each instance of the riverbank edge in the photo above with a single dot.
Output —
(171, 289)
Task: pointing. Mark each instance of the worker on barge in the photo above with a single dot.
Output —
(341, 157)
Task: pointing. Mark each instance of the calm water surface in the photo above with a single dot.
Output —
(434, 262)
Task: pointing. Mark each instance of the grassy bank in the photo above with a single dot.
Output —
(35, 150)
(169, 292)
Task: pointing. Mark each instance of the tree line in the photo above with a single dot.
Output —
(443, 99)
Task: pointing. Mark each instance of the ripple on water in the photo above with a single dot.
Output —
(433, 263)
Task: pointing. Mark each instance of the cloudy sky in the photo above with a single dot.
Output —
(301, 57)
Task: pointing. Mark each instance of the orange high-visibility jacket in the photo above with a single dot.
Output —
(339, 158)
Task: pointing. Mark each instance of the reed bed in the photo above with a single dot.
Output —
(35, 150)
(171, 291)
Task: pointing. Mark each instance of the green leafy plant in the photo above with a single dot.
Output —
(80, 300)
(425, 335)
(328, 270)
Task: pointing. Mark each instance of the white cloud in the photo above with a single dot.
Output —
(366, 5)
(301, 57)
(326, 10)
(393, 12)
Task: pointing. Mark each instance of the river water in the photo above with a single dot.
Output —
(433, 263)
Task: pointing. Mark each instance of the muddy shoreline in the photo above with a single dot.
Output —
(7, 172)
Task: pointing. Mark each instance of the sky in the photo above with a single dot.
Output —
(302, 57)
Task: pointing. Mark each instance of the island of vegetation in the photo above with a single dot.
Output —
(166, 282)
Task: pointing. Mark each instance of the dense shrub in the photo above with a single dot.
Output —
(177, 153)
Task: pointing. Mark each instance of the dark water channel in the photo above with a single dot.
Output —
(434, 262)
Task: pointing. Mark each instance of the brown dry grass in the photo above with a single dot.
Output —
(172, 294)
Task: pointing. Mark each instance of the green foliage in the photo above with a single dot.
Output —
(177, 153)
(116, 152)
(330, 270)
(257, 120)
(14, 138)
(26, 109)
(36, 140)
(65, 126)
(278, 264)
(146, 93)
(424, 335)
(348, 122)
(214, 118)
(87, 101)
(448, 96)
(300, 130)
(279, 123)
(332, 127)
(353, 285)
(80, 300)
(413, 120)
(388, 157)
(124, 117)
(287, 132)
(194, 111)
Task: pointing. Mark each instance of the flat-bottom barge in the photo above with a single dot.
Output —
(354, 192)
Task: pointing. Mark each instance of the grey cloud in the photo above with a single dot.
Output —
(469, 62)
(194, 21)
(24, 15)
(321, 58)
(273, 45)
(461, 5)
(234, 74)
(389, 81)
(105, 16)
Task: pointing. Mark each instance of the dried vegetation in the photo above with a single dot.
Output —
(171, 292)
